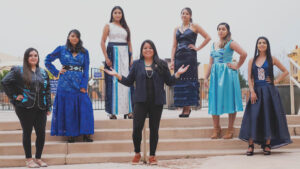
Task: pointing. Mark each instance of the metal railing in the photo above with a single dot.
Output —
(293, 81)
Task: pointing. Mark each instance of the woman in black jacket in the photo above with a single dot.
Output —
(150, 73)
(28, 88)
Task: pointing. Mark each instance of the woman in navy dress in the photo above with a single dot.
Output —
(72, 109)
(184, 52)
(264, 120)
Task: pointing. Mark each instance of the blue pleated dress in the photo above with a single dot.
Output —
(224, 94)
(265, 119)
(186, 89)
(72, 110)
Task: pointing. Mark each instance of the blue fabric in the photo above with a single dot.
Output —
(111, 83)
(265, 119)
(224, 94)
(72, 109)
(186, 89)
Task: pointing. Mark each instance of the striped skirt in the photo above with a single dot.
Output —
(118, 97)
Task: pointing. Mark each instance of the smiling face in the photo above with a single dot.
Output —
(117, 15)
(73, 39)
(148, 51)
(222, 31)
(262, 45)
(185, 16)
(33, 58)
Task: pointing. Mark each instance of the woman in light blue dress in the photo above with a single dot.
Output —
(224, 88)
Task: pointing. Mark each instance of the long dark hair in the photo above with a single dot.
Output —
(189, 10)
(122, 21)
(79, 46)
(227, 37)
(158, 65)
(269, 58)
(27, 67)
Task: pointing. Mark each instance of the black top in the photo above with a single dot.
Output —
(138, 75)
(150, 86)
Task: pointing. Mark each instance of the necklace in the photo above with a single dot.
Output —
(186, 28)
(148, 65)
(151, 74)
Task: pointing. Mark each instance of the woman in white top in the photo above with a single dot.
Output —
(118, 56)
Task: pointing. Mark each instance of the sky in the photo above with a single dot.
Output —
(44, 24)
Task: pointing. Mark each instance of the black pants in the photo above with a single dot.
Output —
(140, 113)
(30, 118)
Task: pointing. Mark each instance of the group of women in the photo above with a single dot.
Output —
(140, 93)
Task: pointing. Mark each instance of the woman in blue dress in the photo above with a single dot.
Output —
(184, 52)
(72, 108)
(264, 120)
(224, 88)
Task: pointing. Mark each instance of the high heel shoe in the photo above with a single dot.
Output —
(129, 116)
(216, 133)
(229, 133)
(112, 117)
(266, 152)
(250, 153)
(71, 139)
(184, 115)
(87, 138)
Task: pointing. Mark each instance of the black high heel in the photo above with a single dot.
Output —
(87, 138)
(250, 153)
(266, 152)
(112, 117)
(129, 116)
(185, 115)
(71, 139)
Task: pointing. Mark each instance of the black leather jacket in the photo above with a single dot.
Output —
(37, 93)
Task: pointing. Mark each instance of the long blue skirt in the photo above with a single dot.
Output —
(72, 114)
(265, 119)
(186, 89)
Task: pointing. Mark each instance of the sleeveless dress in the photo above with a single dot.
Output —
(224, 95)
(186, 89)
(72, 110)
(265, 119)
(117, 97)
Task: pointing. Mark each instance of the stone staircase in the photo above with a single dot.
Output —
(179, 138)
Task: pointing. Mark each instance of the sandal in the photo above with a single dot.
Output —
(31, 164)
(250, 153)
(41, 163)
(266, 152)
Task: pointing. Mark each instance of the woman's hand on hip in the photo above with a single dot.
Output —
(20, 97)
(232, 66)
(82, 90)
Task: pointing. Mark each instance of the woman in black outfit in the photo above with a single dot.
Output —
(150, 73)
(28, 88)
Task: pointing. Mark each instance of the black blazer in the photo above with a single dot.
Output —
(138, 74)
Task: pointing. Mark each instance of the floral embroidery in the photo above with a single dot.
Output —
(261, 74)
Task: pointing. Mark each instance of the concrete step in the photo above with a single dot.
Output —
(166, 145)
(127, 146)
(165, 123)
(84, 158)
(126, 134)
